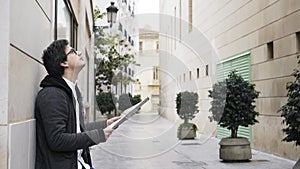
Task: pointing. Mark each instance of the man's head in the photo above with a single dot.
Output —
(59, 56)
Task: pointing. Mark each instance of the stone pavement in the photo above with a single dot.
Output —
(148, 141)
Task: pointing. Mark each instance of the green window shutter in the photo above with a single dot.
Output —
(240, 63)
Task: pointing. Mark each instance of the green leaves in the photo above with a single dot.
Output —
(98, 14)
(291, 110)
(232, 103)
(189, 126)
(186, 105)
(106, 102)
(112, 54)
(136, 99)
(126, 101)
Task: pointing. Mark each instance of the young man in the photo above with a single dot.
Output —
(62, 138)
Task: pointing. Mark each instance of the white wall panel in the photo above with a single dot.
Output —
(22, 145)
(30, 29)
(4, 47)
(24, 80)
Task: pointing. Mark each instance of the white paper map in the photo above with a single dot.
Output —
(126, 114)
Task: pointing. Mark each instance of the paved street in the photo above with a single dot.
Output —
(148, 141)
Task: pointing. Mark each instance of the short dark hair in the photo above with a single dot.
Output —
(54, 55)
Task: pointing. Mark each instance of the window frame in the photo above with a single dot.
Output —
(73, 25)
(190, 15)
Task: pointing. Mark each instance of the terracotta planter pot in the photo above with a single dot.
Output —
(235, 149)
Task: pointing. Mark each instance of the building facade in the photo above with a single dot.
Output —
(27, 28)
(147, 76)
(127, 36)
(204, 40)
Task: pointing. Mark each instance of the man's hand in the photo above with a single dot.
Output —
(107, 132)
(111, 120)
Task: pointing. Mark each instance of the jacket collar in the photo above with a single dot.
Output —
(56, 81)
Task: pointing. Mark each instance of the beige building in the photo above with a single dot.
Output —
(147, 76)
(203, 40)
(125, 29)
(26, 29)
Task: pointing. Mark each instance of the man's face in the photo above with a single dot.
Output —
(74, 59)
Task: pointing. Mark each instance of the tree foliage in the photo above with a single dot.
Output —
(125, 101)
(106, 102)
(232, 104)
(136, 99)
(186, 105)
(112, 59)
(291, 110)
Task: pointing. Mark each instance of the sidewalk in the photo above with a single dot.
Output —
(148, 141)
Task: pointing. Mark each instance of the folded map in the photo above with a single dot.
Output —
(128, 113)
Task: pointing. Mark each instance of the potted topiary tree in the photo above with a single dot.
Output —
(291, 111)
(125, 101)
(136, 99)
(232, 106)
(106, 103)
(186, 110)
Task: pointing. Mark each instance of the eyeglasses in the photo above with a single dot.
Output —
(71, 51)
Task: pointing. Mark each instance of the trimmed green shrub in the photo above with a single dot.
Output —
(106, 102)
(125, 101)
(186, 105)
(232, 103)
(291, 110)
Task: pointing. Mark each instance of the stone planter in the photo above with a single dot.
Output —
(235, 149)
(186, 134)
(297, 165)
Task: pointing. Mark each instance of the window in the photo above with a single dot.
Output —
(198, 73)
(190, 15)
(65, 22)
(184, 77)
(270, 50)
(206, 70)
(190, 75)
(129, 71)
(125, 34)
(175, 26)
(298, 41)
(180, 19)
(120, 27)
(157, 45)
(140, 45)
(87, 75)
(155, 73)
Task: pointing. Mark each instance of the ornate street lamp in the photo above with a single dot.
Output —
(111, 13)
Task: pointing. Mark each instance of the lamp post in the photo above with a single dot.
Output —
(111, 13)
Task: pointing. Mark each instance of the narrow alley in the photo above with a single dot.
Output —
(148, 141)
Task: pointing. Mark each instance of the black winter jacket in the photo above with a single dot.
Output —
(56, 139)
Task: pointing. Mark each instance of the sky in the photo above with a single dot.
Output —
(146, 12)
(147, 6)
